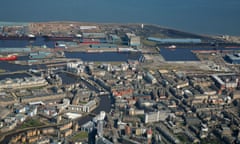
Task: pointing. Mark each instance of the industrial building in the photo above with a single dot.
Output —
(87, 27)
(233, 58)
(133, 40)
(115, 38)
(26, 82)
(103, 46)
(15, 50)
(174, 40)
(94, 35)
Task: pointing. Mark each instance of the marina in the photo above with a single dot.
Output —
(106, 54)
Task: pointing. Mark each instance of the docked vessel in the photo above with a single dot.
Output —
(127, 50)
(58, 38)
(17, 37)
(40, 55)
(172, 47)
(10, 57)
(232, 47)
(31, 36)
(89, 41)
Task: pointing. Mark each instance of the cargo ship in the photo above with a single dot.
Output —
(10, 57)
(212, 51)
(89, 41)
(17, 37)
(58, 38)
(127, 50)
(232, 47)
(40, 55)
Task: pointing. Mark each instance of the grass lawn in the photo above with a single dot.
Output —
(80, 135)
(148, 43)
(210, 141)
(37, 87)
(2, 71)
(31, 123)
(82, 102)
(183, 139)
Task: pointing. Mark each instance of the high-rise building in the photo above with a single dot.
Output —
(127, 130)
(100, 125)
(149, 135)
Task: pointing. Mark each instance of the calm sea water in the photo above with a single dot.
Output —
(186, 54)
(104, 56)
(25, 43)
(201, 16)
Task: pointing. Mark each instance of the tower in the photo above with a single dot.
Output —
(149, 135)
(142, 26)
(127, 130)
(100, 124)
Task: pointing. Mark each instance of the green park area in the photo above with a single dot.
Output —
(31, 123)
(81, 135)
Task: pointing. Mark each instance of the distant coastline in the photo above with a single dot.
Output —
(11, 23)
(204, 17)
(5, 23)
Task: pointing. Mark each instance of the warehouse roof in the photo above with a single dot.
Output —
(174, 40)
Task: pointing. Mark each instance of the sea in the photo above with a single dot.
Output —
(216, 17)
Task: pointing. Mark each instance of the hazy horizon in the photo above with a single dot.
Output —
(198, 16)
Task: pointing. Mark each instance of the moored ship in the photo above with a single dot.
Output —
(172, 47)
(40, 55)
(58, 38)
(17, 37)
(10, 57)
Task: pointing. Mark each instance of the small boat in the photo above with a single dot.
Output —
(172, 47)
